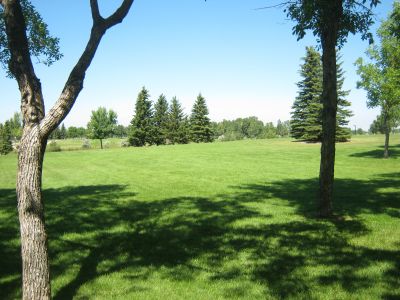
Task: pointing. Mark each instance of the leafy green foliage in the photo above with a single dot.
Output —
(178, 129)
(142, 127)
(249, 128)
(160, 120)
(76, 132)
(355, 17)
(5, 138)
(282, 128)
(42, 45)
(306, 122)
(101, 124)
(53, 147)
(381, 76)
(200, 126)
(15, 125)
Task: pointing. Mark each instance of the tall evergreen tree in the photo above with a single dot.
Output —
(306, 123)
(177, 124)
(200, 125)
(141, 130)
(63, 132)
(5, 138)
(160, 120)
(343, 133)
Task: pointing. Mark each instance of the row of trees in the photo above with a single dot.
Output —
(306, 121)
(167, 123)
(249, 128)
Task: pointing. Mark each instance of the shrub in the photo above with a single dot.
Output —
(53, 147)
(124, 144)
(86, 144)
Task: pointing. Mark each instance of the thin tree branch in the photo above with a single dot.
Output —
(119, 14)
(94, 6)
(279, 5)
(74, 84)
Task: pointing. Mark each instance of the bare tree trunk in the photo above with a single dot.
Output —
(101, 143)
(329, 101)
(387, 134)
(35, 261)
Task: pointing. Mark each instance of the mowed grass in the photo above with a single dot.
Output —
(231, 220)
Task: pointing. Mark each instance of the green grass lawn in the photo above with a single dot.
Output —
(231, 220)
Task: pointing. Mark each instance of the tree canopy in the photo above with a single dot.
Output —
(101, 125)
(41, 43)
(381, 76)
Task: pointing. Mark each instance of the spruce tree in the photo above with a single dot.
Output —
(177, 124)
(141, 129)
(63, 132)
(306, 121)
(5, 138)
(200, 125)
(343, 133)
(160, 121)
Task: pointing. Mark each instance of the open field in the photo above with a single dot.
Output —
(231, 220)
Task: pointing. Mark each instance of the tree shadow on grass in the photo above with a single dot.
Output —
(102, 230)
(394, 152)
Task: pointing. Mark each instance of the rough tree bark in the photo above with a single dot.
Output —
(387, 134)
(332, 15)
(37, 127)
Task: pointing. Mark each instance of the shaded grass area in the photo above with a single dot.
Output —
(394, 152)
(103, 230)
(220, 221)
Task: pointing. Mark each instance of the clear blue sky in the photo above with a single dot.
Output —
(244, 61)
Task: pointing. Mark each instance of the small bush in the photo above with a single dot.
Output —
(86, 144)
(106, 144)
(53, 147)
(124, 144)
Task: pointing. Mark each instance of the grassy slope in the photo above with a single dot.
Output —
(213, 221)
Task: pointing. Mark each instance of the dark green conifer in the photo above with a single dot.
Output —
(160, 121)
(306, 121)
(5, 138)
(177, 124)
(141, 129)
(343, 133)
(200, 125)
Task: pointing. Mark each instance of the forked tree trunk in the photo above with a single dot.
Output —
(329, 100)
(35, 261)
(37, 127)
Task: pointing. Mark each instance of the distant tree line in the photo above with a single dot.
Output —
(249, 128)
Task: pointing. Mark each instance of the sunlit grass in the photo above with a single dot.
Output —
(230, 220)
